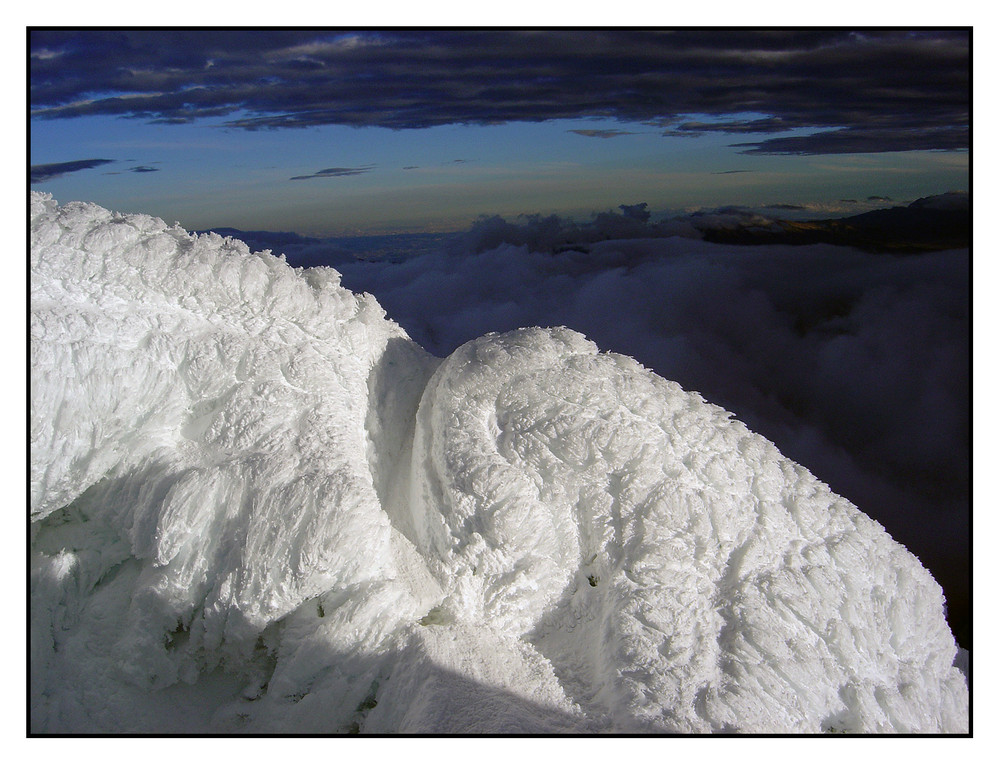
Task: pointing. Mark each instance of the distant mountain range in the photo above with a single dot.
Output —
(941, 222)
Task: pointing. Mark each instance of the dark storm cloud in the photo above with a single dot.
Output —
(860, 140)
(769, 125)
(40, 173)
(873, 91)
(334, 172)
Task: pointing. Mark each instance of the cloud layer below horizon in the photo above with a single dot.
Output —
(861, 92)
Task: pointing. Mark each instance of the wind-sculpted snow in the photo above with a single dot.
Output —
(257, 506)
(673, 567)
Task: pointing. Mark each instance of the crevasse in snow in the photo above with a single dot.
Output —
(257, 506)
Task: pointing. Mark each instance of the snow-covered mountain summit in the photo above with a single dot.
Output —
(258, 506)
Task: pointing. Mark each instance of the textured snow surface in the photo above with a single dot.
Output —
(258, 506)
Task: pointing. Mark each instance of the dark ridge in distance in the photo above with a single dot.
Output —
(929, 224)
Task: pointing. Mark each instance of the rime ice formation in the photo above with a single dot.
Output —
(257, 506)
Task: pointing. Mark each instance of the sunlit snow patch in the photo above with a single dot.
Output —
(257, 506)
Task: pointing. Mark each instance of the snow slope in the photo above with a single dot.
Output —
(258, 506)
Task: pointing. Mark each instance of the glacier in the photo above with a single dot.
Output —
(257, 506)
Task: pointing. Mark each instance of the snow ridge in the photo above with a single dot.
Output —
(258, 506)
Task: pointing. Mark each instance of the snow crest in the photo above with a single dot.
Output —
(258, 506)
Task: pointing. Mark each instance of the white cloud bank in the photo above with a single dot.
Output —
(258, 506)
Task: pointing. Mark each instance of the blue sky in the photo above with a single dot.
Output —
(325, 132)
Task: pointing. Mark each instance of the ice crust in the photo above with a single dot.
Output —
(258, 506)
